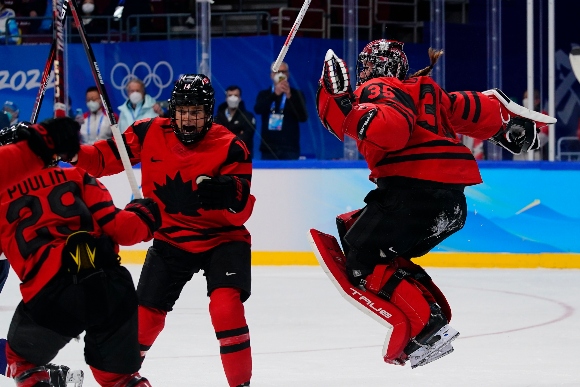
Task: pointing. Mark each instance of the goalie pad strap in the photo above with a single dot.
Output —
(388, 288)
(409, 296)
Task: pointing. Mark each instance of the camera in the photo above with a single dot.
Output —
(279, 77)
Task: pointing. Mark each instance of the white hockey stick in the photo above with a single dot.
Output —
(575, 62)
(291, 35)
(106, 102)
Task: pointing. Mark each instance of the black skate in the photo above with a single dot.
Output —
(433, 342)
(61, 376)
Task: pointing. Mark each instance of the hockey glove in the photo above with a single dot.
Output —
(222, 192)
(51, 140)
(520, 135)
(148, 211)
(335, 75)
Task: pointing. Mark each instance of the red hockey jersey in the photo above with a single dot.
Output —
(22, 161)
(169, 170)
(409, 128)
(38, 213)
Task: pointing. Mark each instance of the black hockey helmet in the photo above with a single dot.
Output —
(192, 90)
(387, 58)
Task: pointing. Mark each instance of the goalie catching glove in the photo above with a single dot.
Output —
(520, 130)
(335, 96)
(520, 135)
(222, 192)
(52, 140)
(335, 74)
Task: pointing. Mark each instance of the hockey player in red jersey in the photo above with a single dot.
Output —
(406, 129)
(61, 233)
(199, 173)
(29, 148)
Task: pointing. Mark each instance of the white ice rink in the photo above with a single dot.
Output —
(518, 328)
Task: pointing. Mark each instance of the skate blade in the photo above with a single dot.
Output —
(446, 350)
(432, 353)
(76, 376)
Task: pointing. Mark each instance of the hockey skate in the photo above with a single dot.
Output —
(433, 342)
(61, 376)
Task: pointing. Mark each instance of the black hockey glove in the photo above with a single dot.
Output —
(222, 192)
(55, 136)
(520, 135)
(148, 211)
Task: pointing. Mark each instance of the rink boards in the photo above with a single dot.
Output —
(525, 214)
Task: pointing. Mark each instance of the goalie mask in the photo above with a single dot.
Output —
(191, 107)
(381, 58)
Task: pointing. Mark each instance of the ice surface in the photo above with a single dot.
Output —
(518, 328)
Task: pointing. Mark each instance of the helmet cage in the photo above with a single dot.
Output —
(192, 90)
(387, 59)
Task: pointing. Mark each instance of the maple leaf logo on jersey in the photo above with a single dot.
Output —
(178, 196)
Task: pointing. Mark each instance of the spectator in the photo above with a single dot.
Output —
(96, 125)
(9, 33)
(12, 111)
(95, 28)
(138, 105)
(282, 108)
(543, 135)
(4, 120)
(31, 8)
(233, 115)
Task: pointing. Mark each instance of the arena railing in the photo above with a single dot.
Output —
(143, 27)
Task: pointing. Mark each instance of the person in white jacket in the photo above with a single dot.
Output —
(138, 105)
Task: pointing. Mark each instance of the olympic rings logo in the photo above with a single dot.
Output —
(151, 77)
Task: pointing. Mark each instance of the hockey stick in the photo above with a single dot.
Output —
(290, 37)
(105, 99)
(58, 40)
(575, 61)
(43, 84)
(46, 73)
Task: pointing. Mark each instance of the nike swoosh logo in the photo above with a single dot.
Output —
(230, 273)
(154, 160)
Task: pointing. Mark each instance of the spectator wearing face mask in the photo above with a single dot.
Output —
(233, 115)
(139, 105)
(94, 26)
(95, 125)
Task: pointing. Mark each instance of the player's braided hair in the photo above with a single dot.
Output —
(434, 56)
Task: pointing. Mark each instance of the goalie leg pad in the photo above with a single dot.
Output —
(420, 275)
(333, 263)
(395, 285)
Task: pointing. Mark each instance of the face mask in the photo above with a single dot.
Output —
(93, 106)
(525, 102)
(88, 7)
(135, 97)
(233, 101)
(9, 116)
